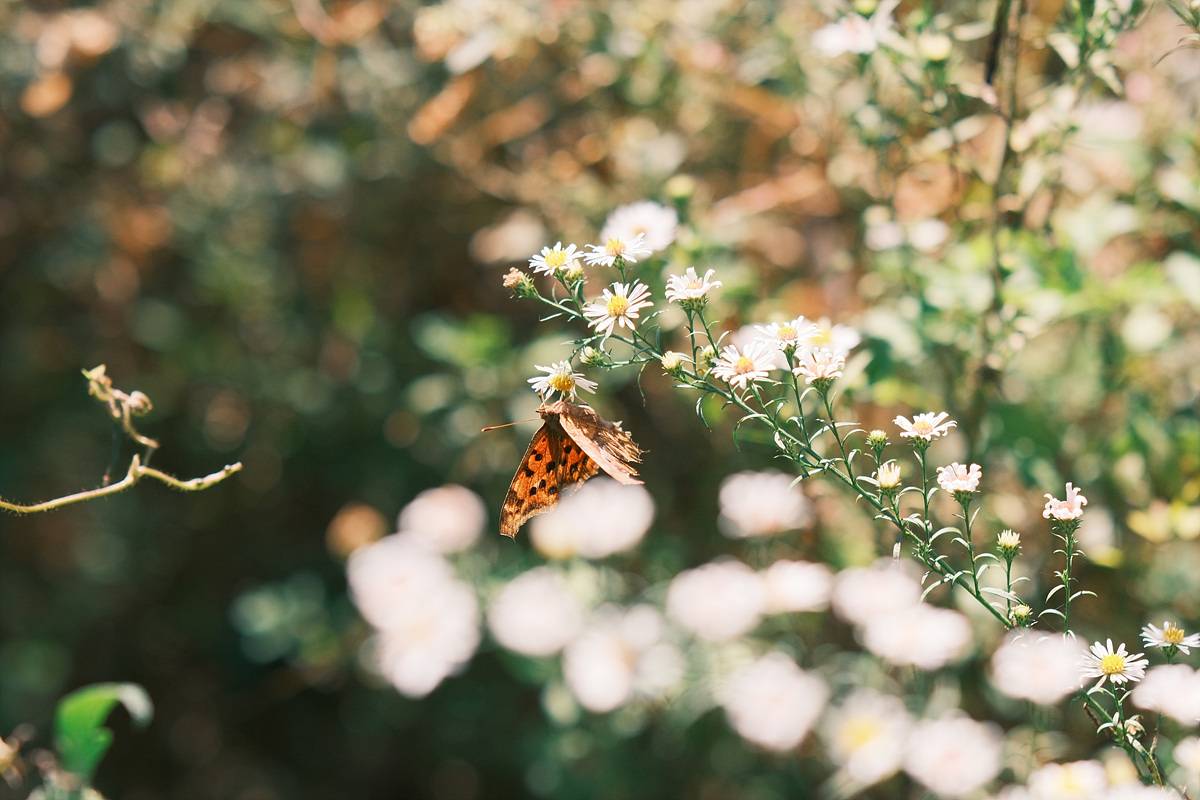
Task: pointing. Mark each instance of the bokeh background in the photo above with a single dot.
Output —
(287, 224)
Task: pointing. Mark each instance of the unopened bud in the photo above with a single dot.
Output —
(1008, 542)
(1021, 614)
(139, 404)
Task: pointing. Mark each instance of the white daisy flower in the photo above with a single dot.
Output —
(654, 222)
(555, 260)
(888, 476)
(772, 702)
(628, 250)
(1113, 665)
(618, 307)
(838, 338)
(1063, 510)
(1170, 635)
(741, 367)
(789, 335)
(956, 477)
(927, 426)
(821, 366)
(559, 378)
(690, 287)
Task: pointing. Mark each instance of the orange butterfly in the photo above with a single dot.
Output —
(573, 444)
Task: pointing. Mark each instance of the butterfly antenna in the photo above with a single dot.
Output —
(506, 425)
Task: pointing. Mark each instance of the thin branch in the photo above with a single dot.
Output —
(137, 471)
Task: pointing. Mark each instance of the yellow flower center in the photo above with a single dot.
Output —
(1112, 664)
(614, 246)
(617, 305)
(822, 336)
(557, 259)
(859, 732)
(1172, 634)
(923, 427)
(787, 332)
(743, 365)
(561, 382)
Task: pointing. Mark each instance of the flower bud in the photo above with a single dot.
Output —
(672, 361)
(705, 359)
(139, 404)
(1008, 542)
(1134, 728)
(877, 439)
(865, 7)
(521, 284)
(593, 357)
(1021, 614)
(680, 188)
(888, 477)
(935, 47)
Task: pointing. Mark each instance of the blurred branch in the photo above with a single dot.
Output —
(122, 408)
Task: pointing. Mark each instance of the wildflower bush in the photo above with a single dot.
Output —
(901, 300)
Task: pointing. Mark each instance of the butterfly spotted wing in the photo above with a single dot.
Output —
(605, 442)
(573, 444)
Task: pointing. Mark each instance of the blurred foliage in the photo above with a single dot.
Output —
(286, 222)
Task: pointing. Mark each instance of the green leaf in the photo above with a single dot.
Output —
(80, 735)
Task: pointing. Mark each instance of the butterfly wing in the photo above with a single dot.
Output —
(606, 443)
(552, 462)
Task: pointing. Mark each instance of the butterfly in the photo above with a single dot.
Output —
(573, 444)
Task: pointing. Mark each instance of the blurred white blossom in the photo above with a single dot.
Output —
(656, 223)
(866, 735)
(1077, 780)
(920, 635)
(841, 339)
(861, 594)
(1171, 689)
(535, 613)
(1040, 668)
(717, 601)
(773, 703)
(621, 655)
(755, 504)
(427, 620)
(797, 586)
(447, 519)
(600, 519)
(955, 755)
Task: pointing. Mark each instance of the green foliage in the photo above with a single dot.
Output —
(80, 735)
